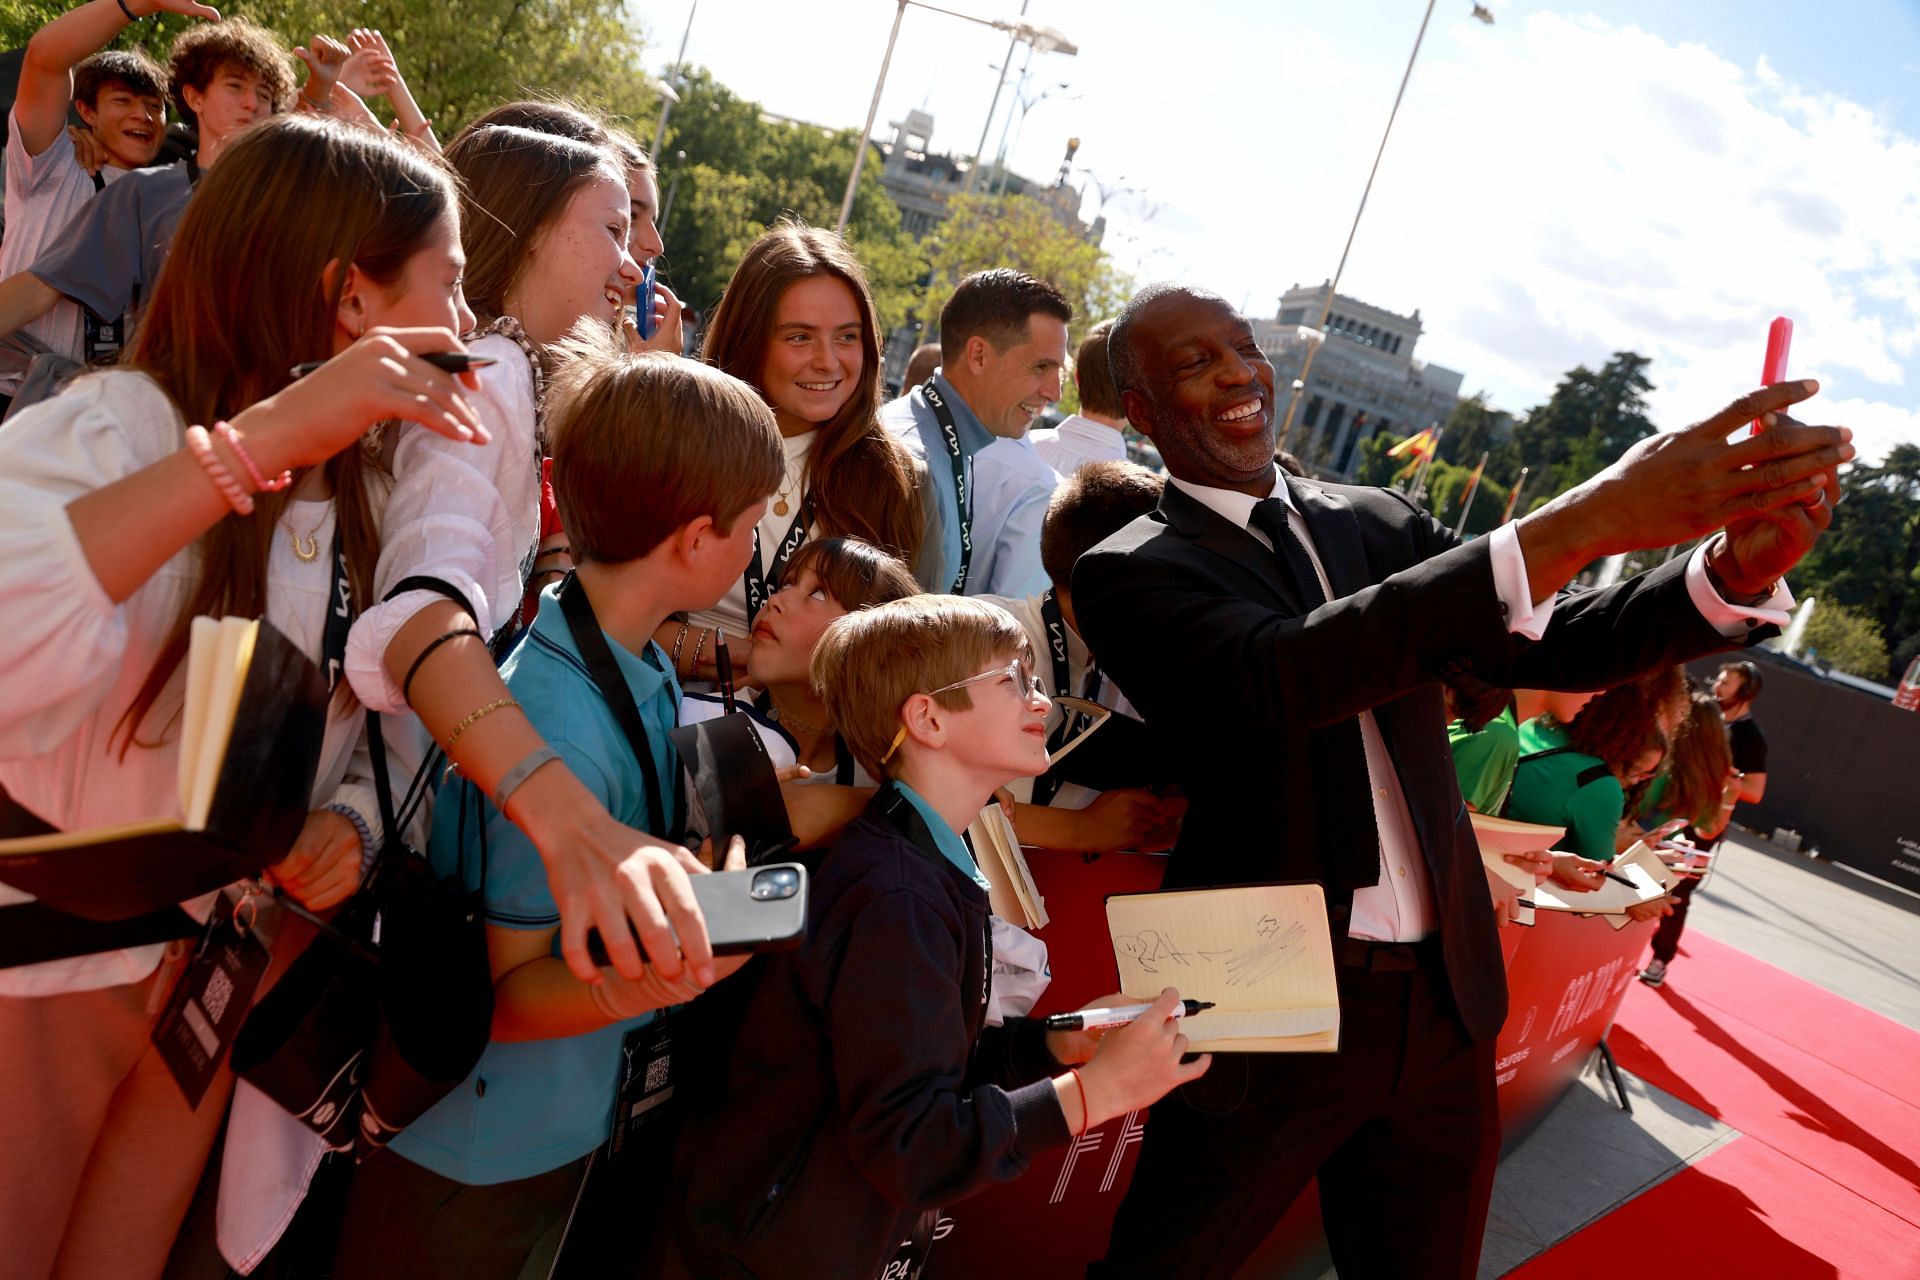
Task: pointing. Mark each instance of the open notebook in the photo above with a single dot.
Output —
(1010, 889)
(1649, 876)
(251, 726)
(1261, 953)
(1501, 836)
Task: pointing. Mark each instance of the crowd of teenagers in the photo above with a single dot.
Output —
(519, 572)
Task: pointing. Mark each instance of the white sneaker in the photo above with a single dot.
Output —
(1655, 973)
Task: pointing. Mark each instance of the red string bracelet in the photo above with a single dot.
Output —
(1086, 1112)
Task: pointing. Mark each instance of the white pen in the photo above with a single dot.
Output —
(1119, 1015)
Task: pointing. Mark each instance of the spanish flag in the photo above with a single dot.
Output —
(1420, 446)
(1473, 482)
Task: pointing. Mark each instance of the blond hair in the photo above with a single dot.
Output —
(644, 444)
(870, 662)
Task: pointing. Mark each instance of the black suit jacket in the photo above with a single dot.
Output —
(1208, 634)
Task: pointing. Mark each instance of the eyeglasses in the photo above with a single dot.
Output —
(1019, 672)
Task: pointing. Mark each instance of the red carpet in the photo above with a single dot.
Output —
(1826, 1180)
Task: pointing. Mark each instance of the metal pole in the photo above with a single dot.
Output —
(1019, 104)
(679, 66)
(973, 171)
(1466, 504)
(1513, 498)
(866, 131)
(1286, 427)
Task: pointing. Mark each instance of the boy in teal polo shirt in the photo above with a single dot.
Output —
(662, 468)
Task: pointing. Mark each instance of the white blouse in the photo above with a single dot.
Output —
(466, 514)
(71, 660)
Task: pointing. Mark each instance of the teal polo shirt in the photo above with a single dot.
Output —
(953, 845)
(1547, 789)
(532, 1106)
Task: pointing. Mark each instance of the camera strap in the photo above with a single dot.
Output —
(962, 486)
(605, 673)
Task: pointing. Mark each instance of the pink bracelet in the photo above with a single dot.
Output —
(260, 482)
(200, 445)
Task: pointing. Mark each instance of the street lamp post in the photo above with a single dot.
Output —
(1018, 30)
(667, 96)
(1300, 383)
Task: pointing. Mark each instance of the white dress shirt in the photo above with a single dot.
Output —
(1077, 441)
(1400, 907)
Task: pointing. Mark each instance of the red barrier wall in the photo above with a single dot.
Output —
(1566, 977)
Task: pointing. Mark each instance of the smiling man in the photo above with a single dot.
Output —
(1003, 349)
(1286, 640)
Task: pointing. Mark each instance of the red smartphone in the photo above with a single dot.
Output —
(1779, 338)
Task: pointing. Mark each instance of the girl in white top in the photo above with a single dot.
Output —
(121, 522)
(826, 579)
(797, 323)
(546, 226)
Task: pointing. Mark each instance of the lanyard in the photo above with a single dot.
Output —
(333, 638)
(759, 585)
(962, 495)
(1047, 785)
(592, 643)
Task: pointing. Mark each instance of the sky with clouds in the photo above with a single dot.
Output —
(1574, 180)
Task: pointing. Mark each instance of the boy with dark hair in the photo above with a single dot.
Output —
(121, 97)
(1098, 433)
(661, 467)
(1003, 348)
(1097, 799)
(222, 77)
(860, 1094)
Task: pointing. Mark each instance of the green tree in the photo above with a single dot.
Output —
(1474, 428)
(1018, 231)
(744, 171)
(1447, 486)
(1846, 638)
(1589, 421)
(1869, 560)
(459, 59)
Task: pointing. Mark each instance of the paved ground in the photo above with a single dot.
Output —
(1853, 935)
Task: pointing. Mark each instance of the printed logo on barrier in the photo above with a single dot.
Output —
(1586, 995)
(1132, 1129)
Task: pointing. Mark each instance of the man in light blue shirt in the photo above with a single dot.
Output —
(1003, 347)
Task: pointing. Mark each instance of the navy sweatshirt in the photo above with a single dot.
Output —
(861, 1087)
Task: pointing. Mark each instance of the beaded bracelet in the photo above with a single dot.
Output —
(478, 713)
(231, 439)
(200, 445)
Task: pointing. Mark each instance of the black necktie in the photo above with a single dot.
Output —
(1349, 836)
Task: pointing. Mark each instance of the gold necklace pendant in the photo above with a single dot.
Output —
(309, 550)
(779, 506)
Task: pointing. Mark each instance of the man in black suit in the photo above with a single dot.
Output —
(1288, 638)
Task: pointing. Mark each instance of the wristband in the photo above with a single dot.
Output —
(529, 764)
(352, 815)
(200, 445)
(1086, 1110)
(406, 685)
(476, 715)
(231, 438)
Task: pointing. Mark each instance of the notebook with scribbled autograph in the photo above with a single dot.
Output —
(1261, 953)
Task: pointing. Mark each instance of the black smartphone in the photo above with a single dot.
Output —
(758, 909)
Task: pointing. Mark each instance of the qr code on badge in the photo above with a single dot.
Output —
(219, 991)
(657, 1073)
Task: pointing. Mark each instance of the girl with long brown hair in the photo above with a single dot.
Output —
(123, 516)
(545, 221)
(797, 323)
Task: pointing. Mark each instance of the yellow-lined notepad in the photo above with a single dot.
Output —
(1262, 954)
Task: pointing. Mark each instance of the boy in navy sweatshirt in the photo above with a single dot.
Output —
(863, 1091)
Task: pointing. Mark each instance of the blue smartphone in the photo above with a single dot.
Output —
(643, 303)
